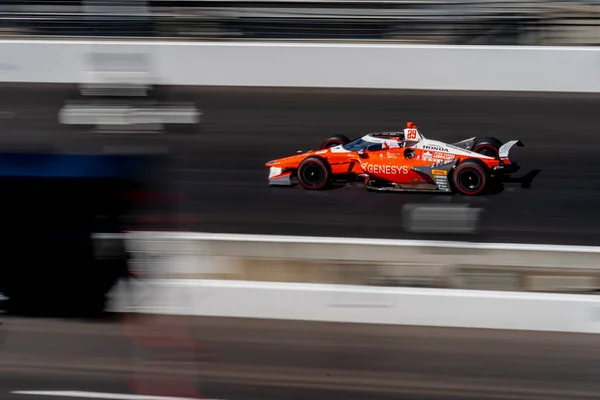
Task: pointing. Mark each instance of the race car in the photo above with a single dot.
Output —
(399, 161)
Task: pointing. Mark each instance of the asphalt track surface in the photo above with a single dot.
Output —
(233, 359)
(220, 168)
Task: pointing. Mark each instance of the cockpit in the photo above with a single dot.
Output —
(378, 141)
(362, 144)
(376, 144)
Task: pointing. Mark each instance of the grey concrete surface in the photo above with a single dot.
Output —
(220, 167)
(257, 360)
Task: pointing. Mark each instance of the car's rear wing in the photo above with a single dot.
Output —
(505, 149)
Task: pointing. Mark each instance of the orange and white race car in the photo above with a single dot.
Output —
(399, 161)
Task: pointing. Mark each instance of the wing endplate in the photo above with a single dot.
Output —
(505, 148)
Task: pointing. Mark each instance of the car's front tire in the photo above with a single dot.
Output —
(314, 173)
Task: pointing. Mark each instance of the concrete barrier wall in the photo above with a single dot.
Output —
(360, 304)
(218, 266)
(373, 262)
(553, 69)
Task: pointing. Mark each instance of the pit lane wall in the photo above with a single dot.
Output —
(379, 66)
(475, 285)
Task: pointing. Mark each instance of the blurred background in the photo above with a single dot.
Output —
(119, 199)
(536, 22)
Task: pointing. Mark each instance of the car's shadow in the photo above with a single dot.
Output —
(340, 185)
(525, 181)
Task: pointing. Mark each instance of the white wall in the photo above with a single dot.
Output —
(567, 69)
(201, 252)
(207, 247)
(374, 305)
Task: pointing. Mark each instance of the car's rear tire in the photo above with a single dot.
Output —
(335, 140)
(314, 173)
(470, 177)
(487, 146)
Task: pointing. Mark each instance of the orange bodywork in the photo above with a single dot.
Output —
(398, 161)
(387, 164)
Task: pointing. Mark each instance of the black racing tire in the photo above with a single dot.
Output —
(470, 178)
(335, 140)
(314, 173)
(487, 146)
